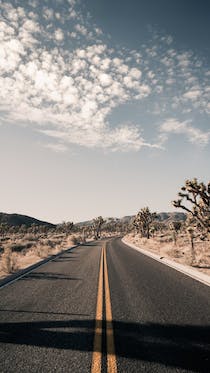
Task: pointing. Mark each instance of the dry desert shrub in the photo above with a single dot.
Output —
(21, 246)
(43, 250)
(73, 240)
(176, 253)
(8, 260)
(16, 249)
(31, 237)
(79, 239)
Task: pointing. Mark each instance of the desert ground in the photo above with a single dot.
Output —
(19, 251)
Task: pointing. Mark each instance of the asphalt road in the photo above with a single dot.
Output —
(160, 317)
(47, 317)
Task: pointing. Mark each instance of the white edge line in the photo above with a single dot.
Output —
(33, 269)
(201, 277)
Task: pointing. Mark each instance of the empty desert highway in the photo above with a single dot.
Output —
(104, 307)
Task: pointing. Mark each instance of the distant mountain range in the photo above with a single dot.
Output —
(18, 219)
(162, 216)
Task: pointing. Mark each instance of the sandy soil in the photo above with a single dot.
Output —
(181, 252)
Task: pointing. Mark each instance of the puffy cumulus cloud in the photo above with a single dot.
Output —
(135, 73)
(59, 36)
(192, 94)
(174, 126)
(105, 80)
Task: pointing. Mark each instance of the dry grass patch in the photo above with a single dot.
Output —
(8, 261)
(19, 251)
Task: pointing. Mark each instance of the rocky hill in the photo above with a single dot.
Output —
(18, 219)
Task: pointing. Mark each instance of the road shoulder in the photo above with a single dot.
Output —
(187, 270)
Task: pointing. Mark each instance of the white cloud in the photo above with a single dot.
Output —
(59, 36)
(183, 59)
(135, 73)
(98, 31)
(105, 80)
(32, 3)
(192, 94)
(167, 39)
(194, 135)
(67, 81)
(168, 62)
(11, 53)
(72, 2)
(81, 29)
(105, 64)
(128, 138)
(170, 81)
(48, 13)
(57, 147)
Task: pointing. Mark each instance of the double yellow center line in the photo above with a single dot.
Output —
(103, 284)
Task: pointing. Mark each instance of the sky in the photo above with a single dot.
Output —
(104, 105)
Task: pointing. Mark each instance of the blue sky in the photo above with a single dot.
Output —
(104, 105)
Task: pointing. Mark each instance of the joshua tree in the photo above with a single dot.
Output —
(69, 225)
(97, 224)
(110, 226)
(195, 199)
(143, 220)
(65, 227)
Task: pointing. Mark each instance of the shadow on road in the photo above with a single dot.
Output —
(180, 346)
(89, 244)
(176, 346)
(49, 276)
(65, 259)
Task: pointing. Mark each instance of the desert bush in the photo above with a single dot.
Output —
(73, 240)
(43, 250)
(18, 247)
(79, 239)
(8, 261)
(175, 227)
(31, 237)
(4, 239)
(47, 242)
